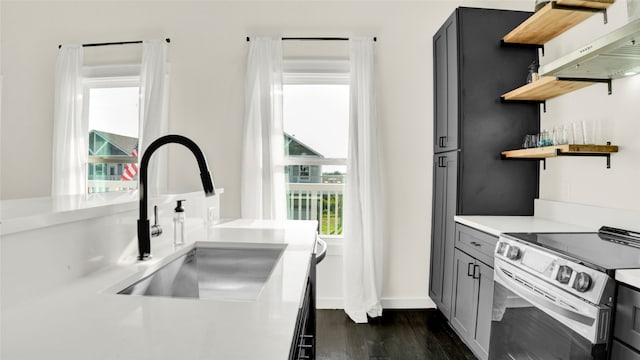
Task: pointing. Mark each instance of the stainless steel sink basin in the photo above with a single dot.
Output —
(227, 272)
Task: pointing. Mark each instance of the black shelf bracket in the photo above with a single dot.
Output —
(603, 81)
(543, 102)
(521, 45)
(555, 5)
(605, 155)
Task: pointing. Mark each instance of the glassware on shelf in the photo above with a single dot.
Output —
(544, 139)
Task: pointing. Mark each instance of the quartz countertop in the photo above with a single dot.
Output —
(495, 225)
(88, 320)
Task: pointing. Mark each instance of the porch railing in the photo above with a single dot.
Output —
(94, 186)
(316, 201)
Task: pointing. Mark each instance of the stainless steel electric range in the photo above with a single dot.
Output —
(554, 293)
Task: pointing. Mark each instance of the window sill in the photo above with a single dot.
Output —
(20, 215)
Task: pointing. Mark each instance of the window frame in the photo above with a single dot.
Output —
(107, 76)
(318, 72)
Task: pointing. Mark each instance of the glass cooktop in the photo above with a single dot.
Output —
(606, 250)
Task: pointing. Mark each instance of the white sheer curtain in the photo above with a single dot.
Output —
(154, 120)
(262, 189)
(363, 230)
(70, 130)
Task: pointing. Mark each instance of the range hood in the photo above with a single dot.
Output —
(612, 56)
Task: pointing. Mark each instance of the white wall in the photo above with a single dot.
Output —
(207, 55)
(587, 180)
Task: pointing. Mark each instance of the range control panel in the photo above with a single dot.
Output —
(582, 281)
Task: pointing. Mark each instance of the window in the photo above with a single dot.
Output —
(111, 108)
(316, 125)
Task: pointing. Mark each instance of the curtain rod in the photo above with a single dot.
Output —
(317, 38)
(115, 43)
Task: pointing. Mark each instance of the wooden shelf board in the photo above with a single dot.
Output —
(594, 4)
(567, 149)
(545, 88)
(549, 22)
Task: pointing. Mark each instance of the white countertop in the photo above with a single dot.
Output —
(495, 225)
(629, 277)
(88, 320)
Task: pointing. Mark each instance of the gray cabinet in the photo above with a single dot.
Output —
(472, 292)
(462, 311)
(303, 345)
(443, 230)
(445, 74)
(627, 325)
(620, 351)
(472, 127)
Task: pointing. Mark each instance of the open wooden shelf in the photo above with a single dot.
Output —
(545, 88)
(553, 19)
(560, 150)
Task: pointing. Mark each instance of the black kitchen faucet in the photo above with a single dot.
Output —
(144, 233)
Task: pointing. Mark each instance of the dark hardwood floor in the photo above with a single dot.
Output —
(397, 335)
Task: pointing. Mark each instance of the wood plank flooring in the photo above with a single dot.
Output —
(397, 335)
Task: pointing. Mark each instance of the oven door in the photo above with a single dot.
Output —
(535, 321)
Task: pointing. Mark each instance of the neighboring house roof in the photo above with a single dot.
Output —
(125, 144)
(296, 147)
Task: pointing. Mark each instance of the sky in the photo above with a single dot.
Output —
(121, 119)
(318, 116)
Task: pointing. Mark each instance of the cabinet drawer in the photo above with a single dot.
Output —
(627, 326)
(476, 243)
(620, 351)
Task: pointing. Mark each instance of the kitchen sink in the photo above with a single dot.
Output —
(224, 272)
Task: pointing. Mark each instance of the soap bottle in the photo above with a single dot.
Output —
(178, 224)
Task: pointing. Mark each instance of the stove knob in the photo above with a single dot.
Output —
(564, 274)
(583, 282)
(513, 253)
(501, 248)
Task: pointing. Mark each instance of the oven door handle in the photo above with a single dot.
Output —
(542, 303)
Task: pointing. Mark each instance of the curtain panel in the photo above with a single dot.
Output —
(154, 120)
(70, 131)
(262, 189)
(363, 229)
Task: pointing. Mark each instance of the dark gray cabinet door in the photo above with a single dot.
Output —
(445, 75)
(627, 323)
(464, 301)
(483, 310)
(620, 351)
(443, 230)
(472, 301)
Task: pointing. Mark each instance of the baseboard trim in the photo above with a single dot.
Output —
(407, 303)
(387, 303)
(329, 303)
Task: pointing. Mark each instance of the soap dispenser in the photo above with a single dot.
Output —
(178, 224)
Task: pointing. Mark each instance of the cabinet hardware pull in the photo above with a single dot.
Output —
(442, 141)
(442, 162)
(469, 270)
(475, 244)
(474, 272)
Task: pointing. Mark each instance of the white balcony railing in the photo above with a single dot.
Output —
(94, 186)
(316, 201)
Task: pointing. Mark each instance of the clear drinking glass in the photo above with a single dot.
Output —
(578, 133)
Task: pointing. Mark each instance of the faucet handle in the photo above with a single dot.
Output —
(156, 230)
